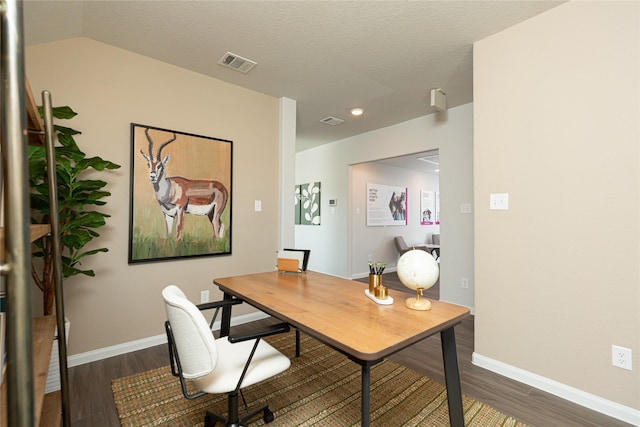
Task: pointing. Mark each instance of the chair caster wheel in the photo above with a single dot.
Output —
(268, 416)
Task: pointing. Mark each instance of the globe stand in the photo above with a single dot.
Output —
(417, 303)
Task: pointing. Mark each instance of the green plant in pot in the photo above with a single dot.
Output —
(77, 198)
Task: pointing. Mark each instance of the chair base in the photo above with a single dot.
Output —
(211, 419)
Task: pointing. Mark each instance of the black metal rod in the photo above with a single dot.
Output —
(54, 221)
(20, 383)
(366, 395)
(225, 322)
(452, 377)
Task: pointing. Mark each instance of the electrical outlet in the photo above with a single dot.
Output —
(621, 357)
(464, 283)
(204, 297)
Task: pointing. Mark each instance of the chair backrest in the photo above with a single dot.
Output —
(305, 257)
(193, 339)
(401, 245)
(435, 239)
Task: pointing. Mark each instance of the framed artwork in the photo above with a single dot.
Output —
(427, 207)
(307, 204)
(386, 205)
(180, 195)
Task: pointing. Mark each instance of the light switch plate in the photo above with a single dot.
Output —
(465, 208)
(499, 201)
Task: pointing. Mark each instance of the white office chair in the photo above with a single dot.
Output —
(223, 365)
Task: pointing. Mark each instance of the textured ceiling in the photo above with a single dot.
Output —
(329, 56)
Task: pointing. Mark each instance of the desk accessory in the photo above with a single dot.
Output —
(376, 291)
(375, 280)
(418, 270)
(288, 265)
(372, 297)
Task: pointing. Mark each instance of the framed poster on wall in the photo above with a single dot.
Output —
(386, 205)
(307, 204)
(427, 207)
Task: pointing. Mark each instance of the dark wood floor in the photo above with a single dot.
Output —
(92, 402)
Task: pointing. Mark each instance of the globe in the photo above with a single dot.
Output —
(418, 270)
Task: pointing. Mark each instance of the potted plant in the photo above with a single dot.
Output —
(77, 197)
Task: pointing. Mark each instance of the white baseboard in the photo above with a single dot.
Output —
(596, 403)
(128, 347)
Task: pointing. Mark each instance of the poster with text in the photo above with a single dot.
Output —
(437, 207)
(427, 207)
(386, 205)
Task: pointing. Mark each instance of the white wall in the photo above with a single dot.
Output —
(376, 243)
(556, 112)
(110, 88)
(451, 134)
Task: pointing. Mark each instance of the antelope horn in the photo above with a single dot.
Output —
(146, 132)
(165, 144)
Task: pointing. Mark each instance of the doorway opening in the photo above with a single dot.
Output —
(418, 175)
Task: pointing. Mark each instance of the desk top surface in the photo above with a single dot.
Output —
(337, 312)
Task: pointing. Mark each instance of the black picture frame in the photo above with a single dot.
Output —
(181, 193)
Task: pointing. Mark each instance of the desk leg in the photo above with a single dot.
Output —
(452, 377)
(366, 397)
(225, 322)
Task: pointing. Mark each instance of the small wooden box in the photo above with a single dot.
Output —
(288, 264)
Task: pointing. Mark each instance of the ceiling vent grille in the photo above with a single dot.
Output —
(333, 121)
(237, 62)
(433, 159)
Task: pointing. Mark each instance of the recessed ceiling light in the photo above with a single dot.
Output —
(357, 111)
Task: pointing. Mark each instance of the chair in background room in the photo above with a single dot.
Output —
(434, 247)
(222, 365)
(402, 247)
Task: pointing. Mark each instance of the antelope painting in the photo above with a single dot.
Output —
(178, 196)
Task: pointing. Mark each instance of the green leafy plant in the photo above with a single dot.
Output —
(76, 198)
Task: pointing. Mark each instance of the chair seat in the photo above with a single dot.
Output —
(266, 362)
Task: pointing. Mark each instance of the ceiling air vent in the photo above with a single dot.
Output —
(237, 62)
(333, 121)
(434, 159)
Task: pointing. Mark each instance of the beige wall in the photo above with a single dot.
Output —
(110, 88)
(556, 118)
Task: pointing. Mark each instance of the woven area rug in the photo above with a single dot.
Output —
(321, 388)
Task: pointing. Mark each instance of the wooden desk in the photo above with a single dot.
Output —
(336, 312)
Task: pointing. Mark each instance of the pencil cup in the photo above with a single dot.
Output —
(375, 280)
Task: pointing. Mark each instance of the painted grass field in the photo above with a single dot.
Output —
(150, 241)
